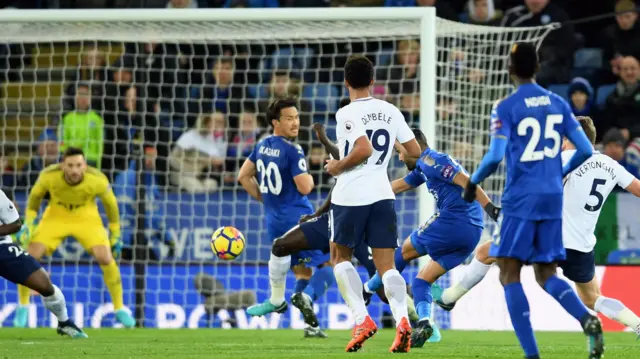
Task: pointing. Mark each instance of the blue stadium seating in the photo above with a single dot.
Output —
(562, 90)
(258, 91)
(294, 59)
(603, 92)
(323, 97)
(588, 58)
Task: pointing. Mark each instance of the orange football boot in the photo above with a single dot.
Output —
(361, 333)
(402, 343)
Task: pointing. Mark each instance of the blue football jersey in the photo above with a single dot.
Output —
(437, 170)
(278, 161)
(534, 122)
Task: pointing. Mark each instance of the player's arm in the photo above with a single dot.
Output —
(497, 149)
(247, 178)
(362, 150)
(410, 181)
(324, 208)
(331, 148)
(298, 170)
(38, 191)
(110, 203)
(9, 216)
(408, 140)
(462, 180)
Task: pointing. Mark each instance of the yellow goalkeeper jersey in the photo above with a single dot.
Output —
(73, 202)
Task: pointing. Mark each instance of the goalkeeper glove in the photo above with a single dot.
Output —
(115, 240)
(492, 211)
(24, 234)
(469, 193)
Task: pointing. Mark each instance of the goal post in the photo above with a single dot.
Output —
(154, 74)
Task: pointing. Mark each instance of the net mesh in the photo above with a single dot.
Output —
(151, 83)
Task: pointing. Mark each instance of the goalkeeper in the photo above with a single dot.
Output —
(72, 211)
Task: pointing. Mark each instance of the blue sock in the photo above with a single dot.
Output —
(422, 297)
(301, 284)
(320, 281)
(519, 312)
(564, 294)
(376, 282)
(401, 264)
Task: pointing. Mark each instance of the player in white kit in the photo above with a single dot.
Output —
(585, 191)
(362, 203)
(17, 266)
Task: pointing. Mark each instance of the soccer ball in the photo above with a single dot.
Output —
(227, 243)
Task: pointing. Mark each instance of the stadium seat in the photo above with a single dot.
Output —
(602, 94)
(562, 90)
(588, 58)
(324, 97)
(383, 56)
(258, 91)
(294, 59)
(624, 256)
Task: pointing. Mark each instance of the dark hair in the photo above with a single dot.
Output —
(72, 151)
(524, 60)
(344, 102)
(273, 112)
(421, 138)
(588, 127)
(358, 71)
(224, 60)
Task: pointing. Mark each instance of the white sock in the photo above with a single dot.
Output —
(395, 288)
(57, 304)
(614, 309)
(278, 268)
(350, 286)
(473, 274)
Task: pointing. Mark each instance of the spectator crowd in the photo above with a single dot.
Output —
(197, 110)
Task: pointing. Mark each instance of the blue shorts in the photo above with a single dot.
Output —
(16, 265)
(310, 258)
(317, 233)
(447, 242)
(374, 224)
(529, 241)
(579, 267)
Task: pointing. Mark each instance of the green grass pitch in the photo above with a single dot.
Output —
(282, 344)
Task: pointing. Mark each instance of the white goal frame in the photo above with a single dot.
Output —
(427, 32)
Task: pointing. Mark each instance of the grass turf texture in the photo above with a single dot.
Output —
(281, 344)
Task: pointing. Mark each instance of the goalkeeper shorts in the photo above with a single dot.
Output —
(51, 232)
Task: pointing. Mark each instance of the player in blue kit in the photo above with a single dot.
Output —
(528, 126)
(448, 237)
(282, 184)
(17, 266)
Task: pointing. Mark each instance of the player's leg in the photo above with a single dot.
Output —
(302, 274)
(612, 308)
(320, 281)
(382, 237)
(54, 301)
(449, 245)
(46, 238)
(113, 281)
(402, 256)
(473, 274)
(512, 248)
(548, 250)
(421, 288)
(347, 230)
(19, 267)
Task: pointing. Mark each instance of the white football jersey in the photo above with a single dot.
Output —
(585, 190)
(8, 215)
(382, 123)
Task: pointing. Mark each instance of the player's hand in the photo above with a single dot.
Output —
(307, 217)
(333, 167)
(469, 193)
(319, 128)
(116, 244)
(492, 211)
(24, 234)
